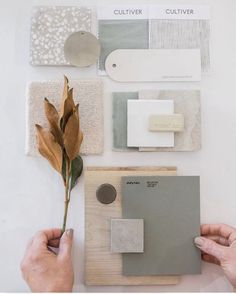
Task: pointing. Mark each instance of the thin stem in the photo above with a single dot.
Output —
(67, 193)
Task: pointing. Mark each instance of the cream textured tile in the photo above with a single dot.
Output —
(50, 27)
(88, 93)
(127, 235)
(139, 112)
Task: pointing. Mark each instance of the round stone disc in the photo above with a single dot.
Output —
(106, 194)
(82, 49)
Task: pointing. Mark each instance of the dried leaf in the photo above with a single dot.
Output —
(49, 148)
(53, 119)
(72, 136)
(69, 107)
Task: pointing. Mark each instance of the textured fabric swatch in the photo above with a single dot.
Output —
(88, 93)
(182, 34)
(120, 120)
(50, 27)
(121, 34)
(187, 103)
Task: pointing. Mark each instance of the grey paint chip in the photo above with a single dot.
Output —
(127, 235)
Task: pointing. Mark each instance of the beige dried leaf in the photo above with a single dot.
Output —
(49, 148)
(53, 119)
(73, 137)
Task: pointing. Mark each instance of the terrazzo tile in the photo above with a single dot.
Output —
(50, 27)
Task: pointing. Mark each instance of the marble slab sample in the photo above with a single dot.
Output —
(182, 34)
(88, 93)
(170, 207)
(119, 106)
(122, 34)
(139, 112)
(188, 103)
(50, 27)
(127, 235)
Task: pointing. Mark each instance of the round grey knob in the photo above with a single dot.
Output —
(106, 194)
(82, 49)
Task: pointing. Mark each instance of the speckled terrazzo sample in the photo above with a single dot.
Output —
(187, 103)
(50, 27)
(182, 34)
(122, 34)
(89, 93)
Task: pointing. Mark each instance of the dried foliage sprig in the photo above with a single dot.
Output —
(60, 143)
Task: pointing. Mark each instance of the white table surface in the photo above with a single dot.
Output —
(31, 192)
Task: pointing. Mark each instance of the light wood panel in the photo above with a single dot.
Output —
(102, 267)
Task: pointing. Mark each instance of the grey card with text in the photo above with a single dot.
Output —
(170, 207)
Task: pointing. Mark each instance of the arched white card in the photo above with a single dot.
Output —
(154, 65)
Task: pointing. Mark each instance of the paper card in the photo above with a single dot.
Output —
(170, 207)
(179, 12)
(119, 12)
(139, 112)
(153, 65)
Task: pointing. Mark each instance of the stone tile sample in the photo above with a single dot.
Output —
(122, 34)
(88, 93)
(127, 235)
(50, 27)
(182, 34)
(187, 103)
(120, 120)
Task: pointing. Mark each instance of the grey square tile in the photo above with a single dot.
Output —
(127, 235)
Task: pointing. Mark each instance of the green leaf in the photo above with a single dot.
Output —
(76, 170)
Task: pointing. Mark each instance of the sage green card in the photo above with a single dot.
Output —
(170, 207)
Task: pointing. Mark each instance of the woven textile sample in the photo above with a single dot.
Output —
(88, 93)
(182, 34)
(122, 34)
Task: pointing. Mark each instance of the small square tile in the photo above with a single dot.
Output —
(127, 235)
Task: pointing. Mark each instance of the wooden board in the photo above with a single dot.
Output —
(102, 267)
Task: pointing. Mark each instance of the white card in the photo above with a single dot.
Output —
(154, 65)
(121, 12)
(138, 133)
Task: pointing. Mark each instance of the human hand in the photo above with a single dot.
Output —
(44, 270)
(218, 245)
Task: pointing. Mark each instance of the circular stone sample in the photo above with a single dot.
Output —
(106, 194)
(82, 49)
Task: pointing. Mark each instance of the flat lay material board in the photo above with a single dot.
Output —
(125, 34)
(154, 65)
(186, 102)
(88, 93)
(138, 132)
(170, 207)
(102, 267)
(50, 27)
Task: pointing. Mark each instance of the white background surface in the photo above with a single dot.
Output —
(31, 193)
